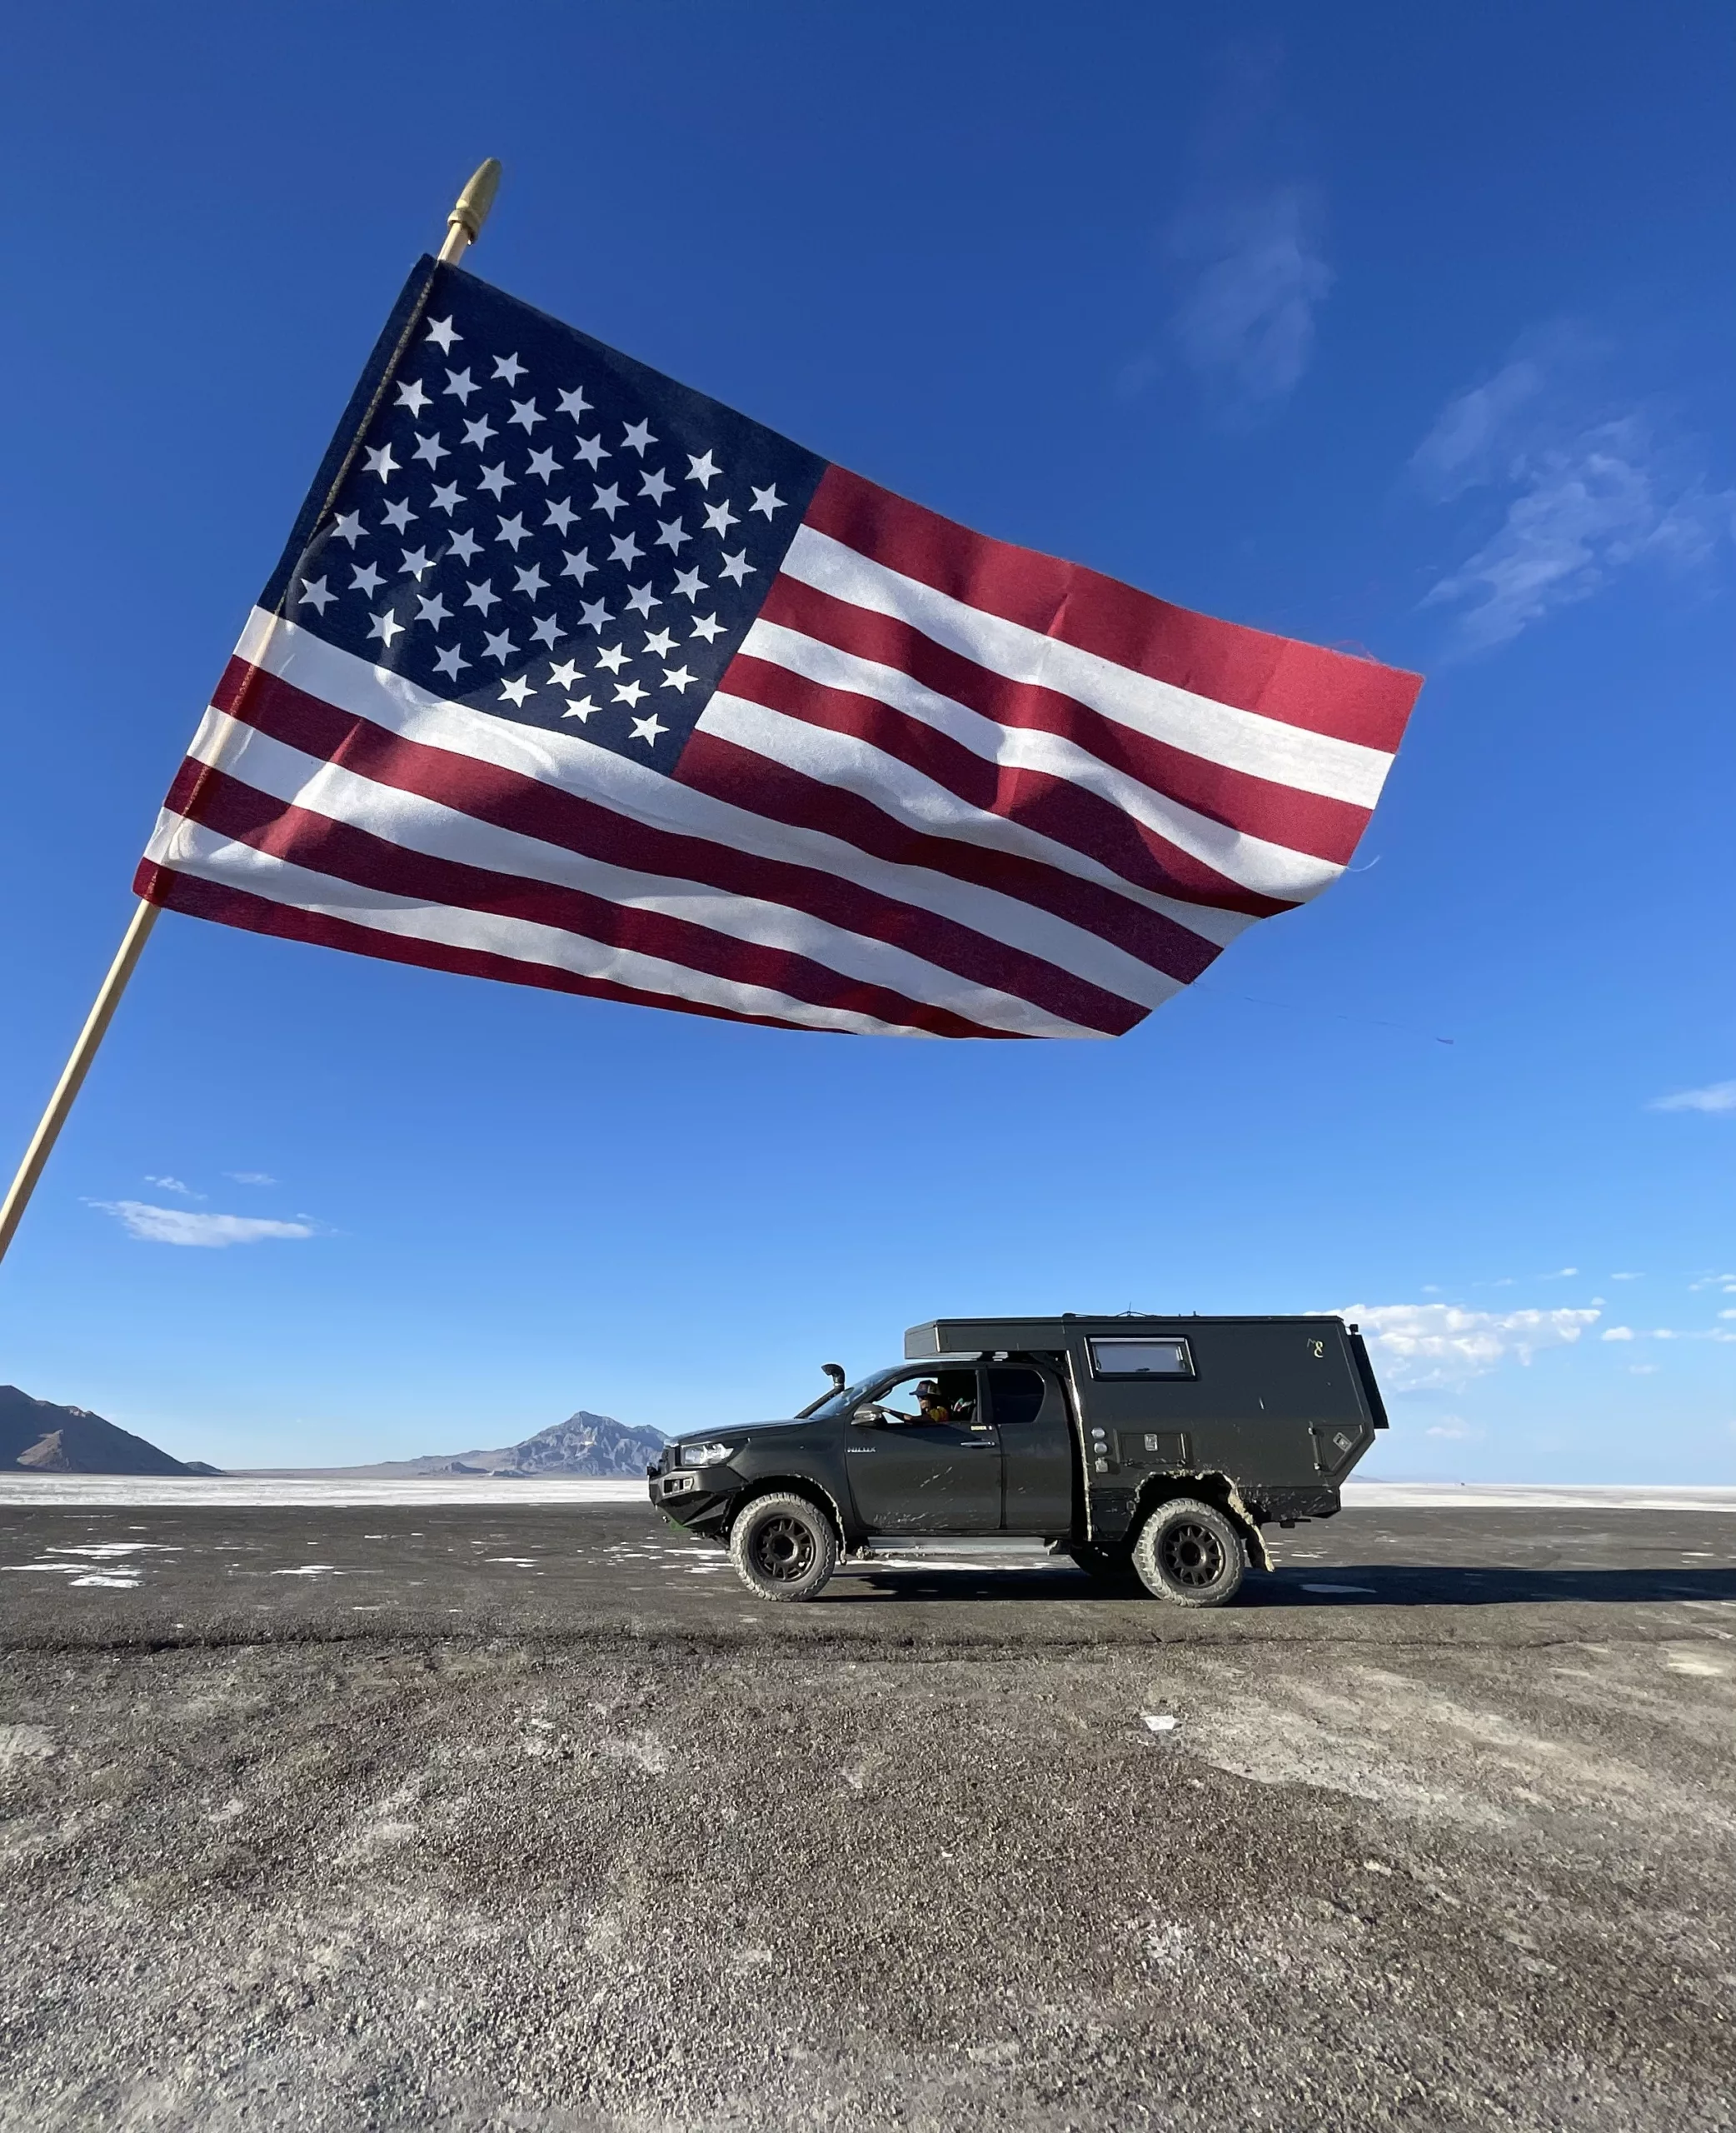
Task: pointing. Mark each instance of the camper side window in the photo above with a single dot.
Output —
(1147, 1358)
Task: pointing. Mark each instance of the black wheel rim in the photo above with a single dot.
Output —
(1191, 1554)
(783, 1550)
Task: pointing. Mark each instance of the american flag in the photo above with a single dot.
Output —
(571, 676)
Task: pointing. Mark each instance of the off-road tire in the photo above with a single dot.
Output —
(1190, 1554)
(783, 1548)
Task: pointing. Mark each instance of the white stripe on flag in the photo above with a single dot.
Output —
(1220, 733)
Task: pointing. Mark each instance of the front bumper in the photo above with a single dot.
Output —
(681, 1487)
(696, 1498)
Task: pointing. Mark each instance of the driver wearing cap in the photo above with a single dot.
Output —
(930, 1407)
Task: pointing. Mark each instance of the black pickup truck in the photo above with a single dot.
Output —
(1148, 1447)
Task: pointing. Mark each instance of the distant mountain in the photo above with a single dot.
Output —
(40, 1438)
(584, 1444)
(37, 1437)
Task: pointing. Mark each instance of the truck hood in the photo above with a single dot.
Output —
(740, 1432)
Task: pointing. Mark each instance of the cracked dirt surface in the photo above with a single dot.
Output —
(923, 1863)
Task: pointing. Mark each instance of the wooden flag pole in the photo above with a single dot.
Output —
(73, 1074)
(464, 225)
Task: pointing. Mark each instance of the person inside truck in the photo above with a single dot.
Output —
(933, 1407)
(928, 1408)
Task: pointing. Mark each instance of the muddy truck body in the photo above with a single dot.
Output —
(1146, 1449)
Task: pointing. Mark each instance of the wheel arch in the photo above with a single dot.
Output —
(792, 1485)
(1213, 1488)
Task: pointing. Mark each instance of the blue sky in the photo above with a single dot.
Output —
(1400, 331)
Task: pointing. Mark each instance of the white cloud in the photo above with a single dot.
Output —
(173, 1185)
(1253, 277)
(1669, 1332)
(1561, 1274)
(182, 1225)
(1717, 1096)
(1727, 1282)
(1627, 1278)
(251, 1176)
(1454, 1426)
(1643, 1370)
(1582, 492)
(1427, 1343)
(1471, 443)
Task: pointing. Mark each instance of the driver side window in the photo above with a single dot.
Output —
(952, 1401)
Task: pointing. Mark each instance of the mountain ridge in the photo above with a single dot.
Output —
(584, 1445)
(38, 1436)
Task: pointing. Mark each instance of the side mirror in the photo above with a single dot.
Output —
(869, 1416)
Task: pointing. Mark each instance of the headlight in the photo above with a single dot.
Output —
(705, 1455)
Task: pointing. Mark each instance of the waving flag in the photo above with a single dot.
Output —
(571, 676)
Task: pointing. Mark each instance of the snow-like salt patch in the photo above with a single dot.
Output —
(106, 1550)
(1512, 1495)
(322, 1492)
(77, 1563)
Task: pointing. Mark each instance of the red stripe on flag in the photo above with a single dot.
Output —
(727, 772)
(1257, 807)
(341, 850)
(1054, 807)
(1302, 684)
(512, 802)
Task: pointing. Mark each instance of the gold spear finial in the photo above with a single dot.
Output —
(464, 225)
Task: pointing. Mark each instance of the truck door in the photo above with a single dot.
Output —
(1029, 1411)
(926, 1476)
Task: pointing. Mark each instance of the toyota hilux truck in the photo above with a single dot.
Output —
(1153, 1452)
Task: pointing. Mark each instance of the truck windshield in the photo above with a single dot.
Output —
(852, 1395)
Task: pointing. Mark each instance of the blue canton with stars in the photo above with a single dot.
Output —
(536, 525)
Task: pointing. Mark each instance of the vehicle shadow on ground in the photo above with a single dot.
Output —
(1337, 1585)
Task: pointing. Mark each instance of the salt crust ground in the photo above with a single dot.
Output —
(1417, 1867)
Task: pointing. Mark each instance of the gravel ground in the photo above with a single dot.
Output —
(1436, 1833)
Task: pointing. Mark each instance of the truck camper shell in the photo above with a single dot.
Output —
(1280, 1408)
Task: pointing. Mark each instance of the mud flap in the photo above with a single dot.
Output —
(1257, 1548)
